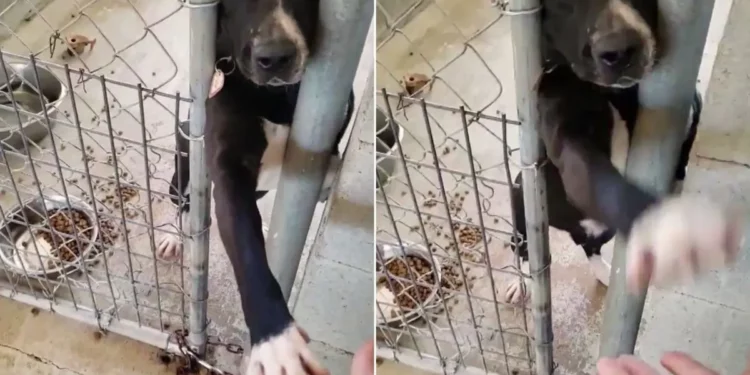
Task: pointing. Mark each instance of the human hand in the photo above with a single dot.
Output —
(362, 363)
(675, 362)
(679, 239)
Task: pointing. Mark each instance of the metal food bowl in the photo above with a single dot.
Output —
(431, 302)
(13, 226)
(385, 143)
(26, 91)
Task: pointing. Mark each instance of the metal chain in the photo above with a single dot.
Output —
(181, 338)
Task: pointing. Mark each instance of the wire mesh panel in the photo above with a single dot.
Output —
(87, 160)
(446, 159)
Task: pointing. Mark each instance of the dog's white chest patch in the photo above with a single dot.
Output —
(273, 157)
(592, 228)
(619, 142)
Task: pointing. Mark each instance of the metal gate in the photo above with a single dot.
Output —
(447, 156)
(88, 121)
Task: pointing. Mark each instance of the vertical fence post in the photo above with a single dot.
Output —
(527, 62)
(202, 38)
(318, 117)
(666, 96)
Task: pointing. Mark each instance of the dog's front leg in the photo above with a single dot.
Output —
(669, 239)
(170, 244)
(278, 345)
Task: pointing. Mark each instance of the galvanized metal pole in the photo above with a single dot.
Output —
(318, 118)
(202, 39)
(666, 96)
(527, 62)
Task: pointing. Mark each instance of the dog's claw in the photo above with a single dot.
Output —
(169, 248)
(286, 353)
(517, 293)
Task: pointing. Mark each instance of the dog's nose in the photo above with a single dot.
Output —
(617, 50)
(274, 56)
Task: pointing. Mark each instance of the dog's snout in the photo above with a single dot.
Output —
(618, 50)
(275, 56)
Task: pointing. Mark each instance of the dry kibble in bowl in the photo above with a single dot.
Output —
(70, 222)
(406, 293)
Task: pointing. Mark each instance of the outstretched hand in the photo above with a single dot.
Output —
(363, 361)
(675, 362)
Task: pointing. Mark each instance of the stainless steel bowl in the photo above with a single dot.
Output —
(430, 303)
(385, 143)
(13, 225)
(26, 94)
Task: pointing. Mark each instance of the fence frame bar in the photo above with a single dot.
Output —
(527, 59)
(320, 111)
(665, 96)
(203, 18)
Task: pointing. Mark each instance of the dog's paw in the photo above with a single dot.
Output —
(169, 248)
(518, 292)
(284, 354)
(680, 238)
(170, 245)
(601, 268)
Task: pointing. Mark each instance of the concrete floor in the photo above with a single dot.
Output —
(41, 343)
(159, 59)
(433, 40)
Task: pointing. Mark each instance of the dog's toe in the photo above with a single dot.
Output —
(518, 290)
(286, 353)
(169, 248)
(516, 293)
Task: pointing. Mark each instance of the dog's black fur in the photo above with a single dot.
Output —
(564, 216)
(235, 141)
(595, 54)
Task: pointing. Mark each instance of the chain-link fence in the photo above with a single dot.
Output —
(87, 163)
(447, 159)
(88, 139)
